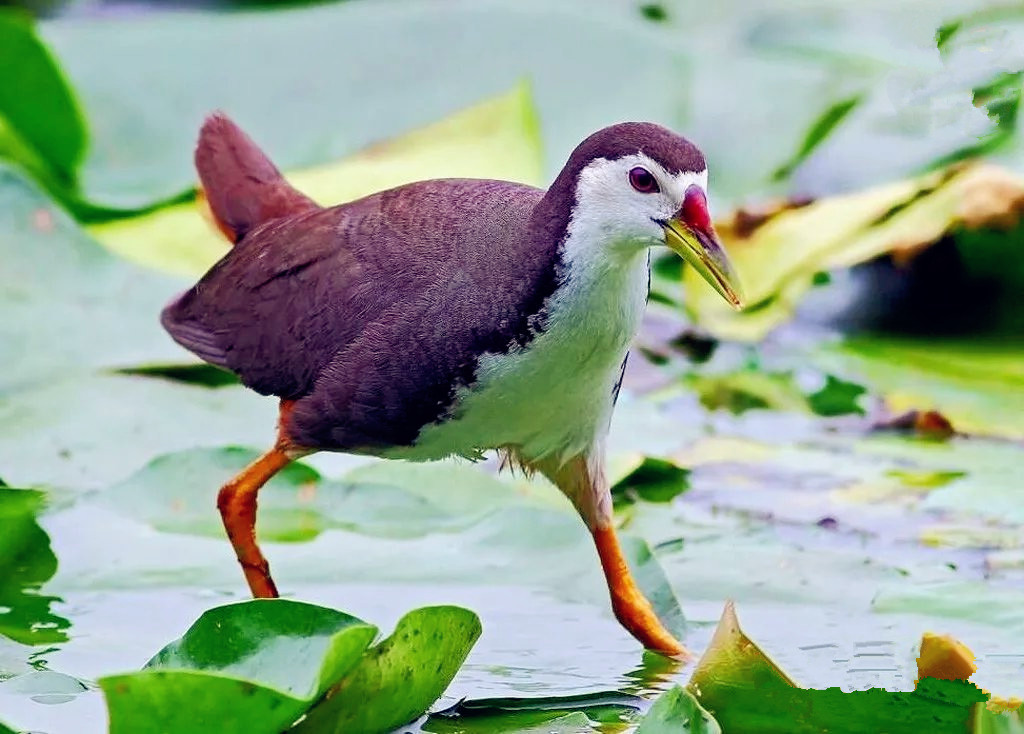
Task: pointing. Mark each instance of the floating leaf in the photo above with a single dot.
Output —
(678, 711)
(176, 492)
(249, 667)
(26, 563)
(399, 678)
(734, 668)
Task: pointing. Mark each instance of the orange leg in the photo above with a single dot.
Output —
(237, 504)
(582, 480)
(630, 605)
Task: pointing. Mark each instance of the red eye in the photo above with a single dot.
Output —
(643, 181)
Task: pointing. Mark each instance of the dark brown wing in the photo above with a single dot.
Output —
(425, 273)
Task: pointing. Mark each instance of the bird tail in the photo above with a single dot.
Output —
(239, 184)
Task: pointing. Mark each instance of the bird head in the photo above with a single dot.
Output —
(639, 184)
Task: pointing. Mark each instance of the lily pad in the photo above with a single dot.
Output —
(399, 678)
(258, 666)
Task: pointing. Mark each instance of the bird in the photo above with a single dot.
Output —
(446, 318)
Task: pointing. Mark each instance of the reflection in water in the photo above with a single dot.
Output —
(26, 563)
(655, 674)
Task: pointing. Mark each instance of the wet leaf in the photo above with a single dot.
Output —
(249, 667)
(26, 563)
(399, 678)
(734, 668)
(678, 711)
(497, 138)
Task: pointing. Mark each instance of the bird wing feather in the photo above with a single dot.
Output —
(331, 299)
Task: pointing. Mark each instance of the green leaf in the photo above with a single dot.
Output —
(6, 730)
(174, 493)
(655, 480)
(399, 678)
(69, 306)
(991, 722)
(306, 111)
(678, 711)
(837, 397)
(496, 138)
(36, 103)
(977, 384)
(746, 691)
(819, 130)
(778, 261)
(250, 667)
(26, 563)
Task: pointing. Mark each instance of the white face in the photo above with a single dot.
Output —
(610, 208)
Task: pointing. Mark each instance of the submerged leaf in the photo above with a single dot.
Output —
(401, 677)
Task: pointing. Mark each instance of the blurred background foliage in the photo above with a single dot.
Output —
(851, 444)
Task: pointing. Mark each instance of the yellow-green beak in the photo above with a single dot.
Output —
(702, 250)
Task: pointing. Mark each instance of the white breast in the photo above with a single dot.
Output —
(554, 397)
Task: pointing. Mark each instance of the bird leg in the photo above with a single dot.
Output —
(237, 504)
(582, 480)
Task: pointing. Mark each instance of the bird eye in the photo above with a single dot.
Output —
(643, 180)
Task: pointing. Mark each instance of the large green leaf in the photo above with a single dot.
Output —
(495, 139)
(175, 492)
(26, 563)
(316, 97)
(37, 108)
(747, 691)
(69, 306)
(399, 678)
(249, 667)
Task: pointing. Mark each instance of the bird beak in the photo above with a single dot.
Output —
(700, 247)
